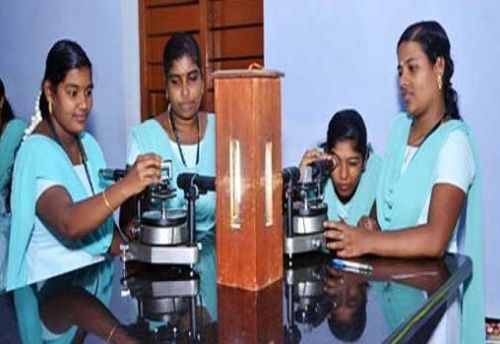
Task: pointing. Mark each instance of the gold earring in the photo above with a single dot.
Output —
(440, 82)
(50, 108)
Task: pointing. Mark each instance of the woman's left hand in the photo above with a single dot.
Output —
(346, 240)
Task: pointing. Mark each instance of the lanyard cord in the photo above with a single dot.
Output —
(83, 155)
(434, 128)
(174, 129)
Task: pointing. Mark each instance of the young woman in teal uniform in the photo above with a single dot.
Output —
(11, 134)
(183, 134)
(61, 213)
(428, 198)
(350, 192)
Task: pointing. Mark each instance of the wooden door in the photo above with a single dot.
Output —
(229, 33)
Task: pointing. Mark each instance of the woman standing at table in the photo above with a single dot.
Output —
(350, 190)
(183, 134)
(428, 199)
(61, 214)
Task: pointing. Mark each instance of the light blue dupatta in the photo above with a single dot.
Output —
(42, 158)
(400, 198)
(9, 141)
(151, 138)
(363, 198)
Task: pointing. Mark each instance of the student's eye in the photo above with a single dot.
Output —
(88, 93)
(174, 81)
(72, 93)
(194, 77)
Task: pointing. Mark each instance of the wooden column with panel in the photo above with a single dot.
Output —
(249, 231)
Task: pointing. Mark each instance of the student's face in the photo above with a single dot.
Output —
(71, 100)
(418, 78)
(348, 172)
(184, 87)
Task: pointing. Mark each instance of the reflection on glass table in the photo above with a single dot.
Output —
(398, 301)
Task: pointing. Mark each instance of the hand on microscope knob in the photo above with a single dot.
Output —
(314, 155)
(346, 240)
(145, 171)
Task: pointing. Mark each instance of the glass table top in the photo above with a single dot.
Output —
(315, 302)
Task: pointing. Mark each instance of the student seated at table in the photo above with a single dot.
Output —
(183, 133)
(350, 191)
(61, 214)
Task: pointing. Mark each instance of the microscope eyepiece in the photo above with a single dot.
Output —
(204, 183)
(321, 168)
(290, 174)
(111, 174)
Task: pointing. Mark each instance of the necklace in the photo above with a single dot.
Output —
(83, 155)
(176, 134)
(429, 133)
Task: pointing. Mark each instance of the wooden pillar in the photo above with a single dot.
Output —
(250, 316)
(249, 185)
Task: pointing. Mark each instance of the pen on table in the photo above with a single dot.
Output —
(346, 264)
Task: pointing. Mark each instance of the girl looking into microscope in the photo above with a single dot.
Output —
(350, 190)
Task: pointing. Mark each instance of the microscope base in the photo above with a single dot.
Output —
(164, 289)
(304, 243)
(183, 255)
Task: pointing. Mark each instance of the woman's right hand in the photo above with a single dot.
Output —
(145, 171)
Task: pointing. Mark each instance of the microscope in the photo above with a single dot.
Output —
(304, 208)
(166, 299)
(164, 235)
(307, 303)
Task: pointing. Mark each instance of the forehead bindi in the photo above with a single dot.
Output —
(183, 66)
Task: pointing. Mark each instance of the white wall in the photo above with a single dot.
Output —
(338, 54)
(109, 33)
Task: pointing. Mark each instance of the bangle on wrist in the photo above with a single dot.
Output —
(111, 333)
(106, 202)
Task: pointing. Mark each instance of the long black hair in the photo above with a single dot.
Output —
(347, 125)
(179, 45)
(6, 113)
(64, 56)
(435, 43)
